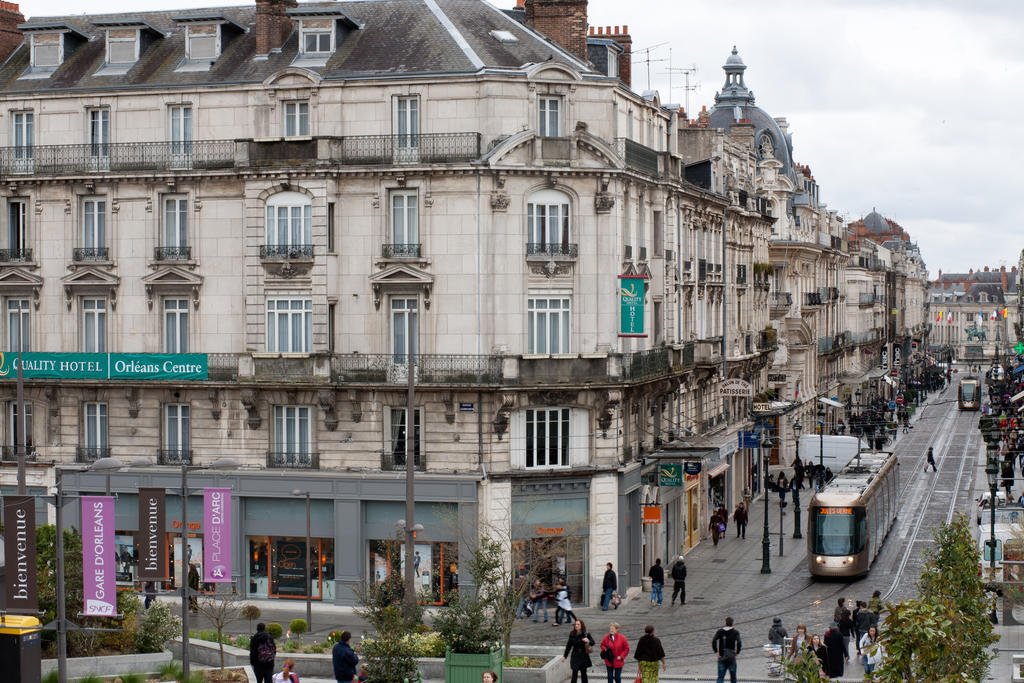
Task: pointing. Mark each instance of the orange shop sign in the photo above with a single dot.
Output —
(652, 514)
(550, 530)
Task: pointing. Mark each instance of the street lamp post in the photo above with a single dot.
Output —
(765, 541)
(309, 577)
(219, 464)
(992, 471)
(797, 427)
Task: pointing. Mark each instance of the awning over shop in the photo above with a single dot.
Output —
(717, 470)
(713, 449)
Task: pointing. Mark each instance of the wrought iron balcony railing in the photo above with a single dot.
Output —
(172, 253)
(564, 250)
(812, 299)
(222, 366)
(781, 300)
(687, 355)
(388, 368)
(296, 252)
(10, 453)
(90, 254)
(172, 456)
(396, 250)
(15, 255)
(117, 157)
(422, 148)
(91, 453)
(392, 462)
(644, 364)
(299, 461)
(638, 157)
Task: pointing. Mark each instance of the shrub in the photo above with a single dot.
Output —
(298, 626)
(171, 671)
(316, 648)
(208, 635)
(291, 646)
(52, 677)
(332, 638)
(275, 630)
(158, 625)
(242, 642)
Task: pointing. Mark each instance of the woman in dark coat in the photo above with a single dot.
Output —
(648, 653)
(576, 651)
(820, 652)
(836, 652)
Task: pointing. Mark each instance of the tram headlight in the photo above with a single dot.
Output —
(850, 560)
(820, 559)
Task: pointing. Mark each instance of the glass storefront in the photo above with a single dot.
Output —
(435, 565)
(550, 541)
(277, 567)
(126, 563)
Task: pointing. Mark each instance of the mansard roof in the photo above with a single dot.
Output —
(394, 38)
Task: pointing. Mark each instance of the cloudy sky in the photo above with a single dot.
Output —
(909, 106)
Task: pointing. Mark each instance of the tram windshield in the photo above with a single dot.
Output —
(967, 391)
(839, 530)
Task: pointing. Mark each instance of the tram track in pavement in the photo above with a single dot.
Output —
(808, 594)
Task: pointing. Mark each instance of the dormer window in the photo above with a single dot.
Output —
(317, 36)
(122, 46)
(203, 42)
(46, 50)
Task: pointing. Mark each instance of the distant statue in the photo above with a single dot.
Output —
(975, 332)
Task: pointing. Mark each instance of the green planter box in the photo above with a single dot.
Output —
(463, 668)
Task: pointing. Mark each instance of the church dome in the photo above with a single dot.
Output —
(876, 224)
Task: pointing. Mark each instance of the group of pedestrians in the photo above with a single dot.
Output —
(657, 577)
(613, 653)
(536, 600)
(263, 657)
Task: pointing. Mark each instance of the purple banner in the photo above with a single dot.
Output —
(98, 556)
(217, 535)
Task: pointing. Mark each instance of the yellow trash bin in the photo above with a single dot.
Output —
(20, 648)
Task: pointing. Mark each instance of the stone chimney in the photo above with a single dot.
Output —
(272, 24)
(562, 21)
(10, 36)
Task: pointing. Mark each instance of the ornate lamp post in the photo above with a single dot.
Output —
(765, 541)
(796, 490)
(990, 433)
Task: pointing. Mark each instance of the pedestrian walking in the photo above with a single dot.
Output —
(262, 652)
(563, 604)
(871, 650)
(727, 644)
(861, 621)
(193, 585)
(838, 611)
(821, 652)
(846, 630)
(657, 574)
(149, 590)
(783, 485)
(539, 598)
(931, 461)
(344, 659)
(777, 633)
(577, 649)
(836, 651)
(723, 515)
(614, 648)
(799, 640)
(716, 527)
(875, 602)
(647, 654)
(679, 581)
(740, 517)
(609, 586)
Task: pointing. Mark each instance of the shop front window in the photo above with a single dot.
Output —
(127, 559)
(277, 567)
(550, 559)
(435, 566)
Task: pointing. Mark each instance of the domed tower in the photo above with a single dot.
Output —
(735, 102)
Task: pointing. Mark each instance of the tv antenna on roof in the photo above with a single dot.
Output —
(687, 87)
(647, 60)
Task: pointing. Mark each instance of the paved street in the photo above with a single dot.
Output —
(726, 580)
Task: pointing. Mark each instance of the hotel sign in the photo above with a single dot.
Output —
(631, 305)
(118, 366)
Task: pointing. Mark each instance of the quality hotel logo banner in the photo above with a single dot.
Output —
(20, 554)
(98, 566)
(128, 366)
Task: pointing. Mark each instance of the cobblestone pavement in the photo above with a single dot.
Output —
(726, 580)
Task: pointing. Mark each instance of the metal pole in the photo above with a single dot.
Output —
(992, 535)
(62, 635)
(410, 468)
(796, 497)
(185, 667)
(821, 451)
(765, 542)
(20, 445)
(309, 577)
(781, 512)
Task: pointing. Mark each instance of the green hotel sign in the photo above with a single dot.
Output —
(670, 474)
(631, 302)
(121, 366)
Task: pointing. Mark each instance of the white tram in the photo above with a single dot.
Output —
(850, 517)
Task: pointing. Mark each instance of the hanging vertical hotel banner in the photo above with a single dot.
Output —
(631, 303)
(151, 538)
(20, 554)
(217, 535)
(98, 556)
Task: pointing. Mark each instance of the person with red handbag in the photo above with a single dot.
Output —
(614, 648)
(647, 654)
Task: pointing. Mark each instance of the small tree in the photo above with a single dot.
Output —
(298, 627)
(251, 612)
(944, 633)
(159, 624)
(804, 667)
(222, 609)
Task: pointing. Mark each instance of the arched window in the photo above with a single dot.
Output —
(548, 224)
(289, 222)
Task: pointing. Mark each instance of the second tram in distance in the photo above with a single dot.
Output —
(850, 517)
(968, 394)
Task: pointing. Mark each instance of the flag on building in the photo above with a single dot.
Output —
(938, 318)
(992, 316)
(949, 317)
(1004, 312)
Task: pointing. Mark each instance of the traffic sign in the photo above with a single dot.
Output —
(900, 399)
(892, 405)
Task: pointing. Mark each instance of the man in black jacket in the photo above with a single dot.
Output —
(262, 652)
(609, 586)
(344, 659)
(727, 644)
(678, 581)
(657, 575)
